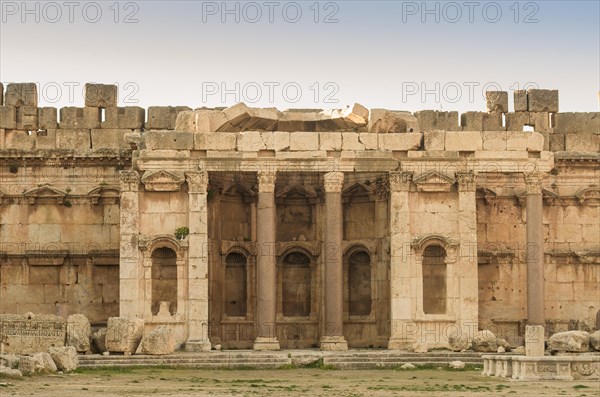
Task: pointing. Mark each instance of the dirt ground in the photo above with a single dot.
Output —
(292, 382)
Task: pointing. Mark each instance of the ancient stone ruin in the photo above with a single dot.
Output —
(266, 229)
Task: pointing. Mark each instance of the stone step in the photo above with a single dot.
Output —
(357, 365)
(250, 364)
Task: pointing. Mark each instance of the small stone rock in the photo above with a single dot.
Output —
(519, 350)
(501, 349)
(458, 342)
(44, 363)
(485, 341)
(106, 353)
(569, 341)
(407, 366)
(10, 373)
(456, 365)
(218, 347)
(595, 340)
(65, 358)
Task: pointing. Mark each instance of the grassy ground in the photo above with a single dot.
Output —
(305, 382)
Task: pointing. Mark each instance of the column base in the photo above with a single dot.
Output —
(197, 346)
(262, 343)
(401, 344)
(333, 343)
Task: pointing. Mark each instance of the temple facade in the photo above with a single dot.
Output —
(265, 229)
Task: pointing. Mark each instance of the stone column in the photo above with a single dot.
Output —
(266, 272)
(467, 267)
(197, 267)
(334, 271)
(535, 251)
(403, 291)
(131, 276)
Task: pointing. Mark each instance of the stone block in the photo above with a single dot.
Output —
(494, 140)
(47, 118)
(517, 140)
(28, 334)
(520, 98)
(435, 120)
(572, 123)
(570, 341)
(79, 332)
(497, 101)
(46, 139)
(100, 95)
(130, 117)
(164, 117)
(202, 120)
(350, 141)
(1, 94)
(21, 94)
(250, 141)
(16, 139)
(400, 142)
(109, 138)
(535, 142)
(391, 121)
(542, 100)
(582, 142)
(222, 141)
(169, 140)
(161, 341)
(27, 118)
(65, 358)
(480, 121)
(464, 140)
(434, 140)
(330, 141)
(516, 121)
(371, 141)
(281, 140)
(8, 117)
(73, 139)
(73, 117)
(557, 142)
(534, 340)
(302, 141)
(124, 334)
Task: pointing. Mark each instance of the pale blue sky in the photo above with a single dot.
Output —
(399, 55)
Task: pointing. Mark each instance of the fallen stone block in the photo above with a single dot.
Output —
(79, 332)
(9, 360)
(164, 117)
(10, 373)
(485, 341)
(458, 341)
(73, 117)
(542, 100)
(124, 334)
(65, 358)
(497, 101)
(456, 364)
(100, 95)
(356, 115)
(161, 341)
(21, 94)
(44, 364)
(570, 341)
(27, 365)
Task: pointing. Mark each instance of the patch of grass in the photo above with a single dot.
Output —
(577, 387)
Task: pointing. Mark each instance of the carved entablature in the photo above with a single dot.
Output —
(45, 194)
(400, 181)
(197, 181)
(130, 181)
(333, 182)
(589, 196)
(46, 257)
(301, 191)
(163, 181)
(104, 195)
(433, 181)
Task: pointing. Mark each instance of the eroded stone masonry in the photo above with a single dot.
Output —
(272, 229)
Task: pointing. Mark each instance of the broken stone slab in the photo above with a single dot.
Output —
(485, 341)
(28, 334)
(79, 332)
(542, 100)
(520, 99)
(8, 117)
(202, 121)
(100, 95)
(497, 101)
(129, 117)
(65, 358)
(73, 117)
(570, 341)
(392, 121)
(123, 335)
(21, 94)
(161, 341)
(356, 115)
(164, 117)
(437, 120)
(99, 340)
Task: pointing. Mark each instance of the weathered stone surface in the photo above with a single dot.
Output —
(434, 140)
(595, 340)
(130, 117)
(464, 140)
(21, 94)
(221, 141)
(485, 341)
(160, 341)
(480, 121)
(164, 117)
(582, 142)
(9, 360)
(27, 118)
(390, 121)
(169, 140)
(8, 117)
(202, 120)
(356, 114)
(10, 373)
(65, 358)
(250, 141)
(27, 365)
(47, 118)
(494, 140)
(73, 139)
(16, 139)
(99, 340)
(44, 363)
(430, 120)
(100, 95)
(542, 100)
(350, 141)
(371, 141)
(458, 341)
(300, 141)
(72, 117)
(407, 366)
(400, 142)
(573, 123)
(124, 334)
(79, 332)
(330, 140)
(497, 101)
(570, 341)
(27, 334)
(520, 98)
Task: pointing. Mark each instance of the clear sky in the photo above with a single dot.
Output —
(406, 55)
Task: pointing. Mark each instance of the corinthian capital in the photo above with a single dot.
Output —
(197, 181)
(333, 182)
(533, 183)
(130, 181)
(466, 181)
(266, 181)
(400, 181)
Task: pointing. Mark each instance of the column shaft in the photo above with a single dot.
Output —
(535, 252)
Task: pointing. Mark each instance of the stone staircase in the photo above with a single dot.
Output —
(353, 359)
